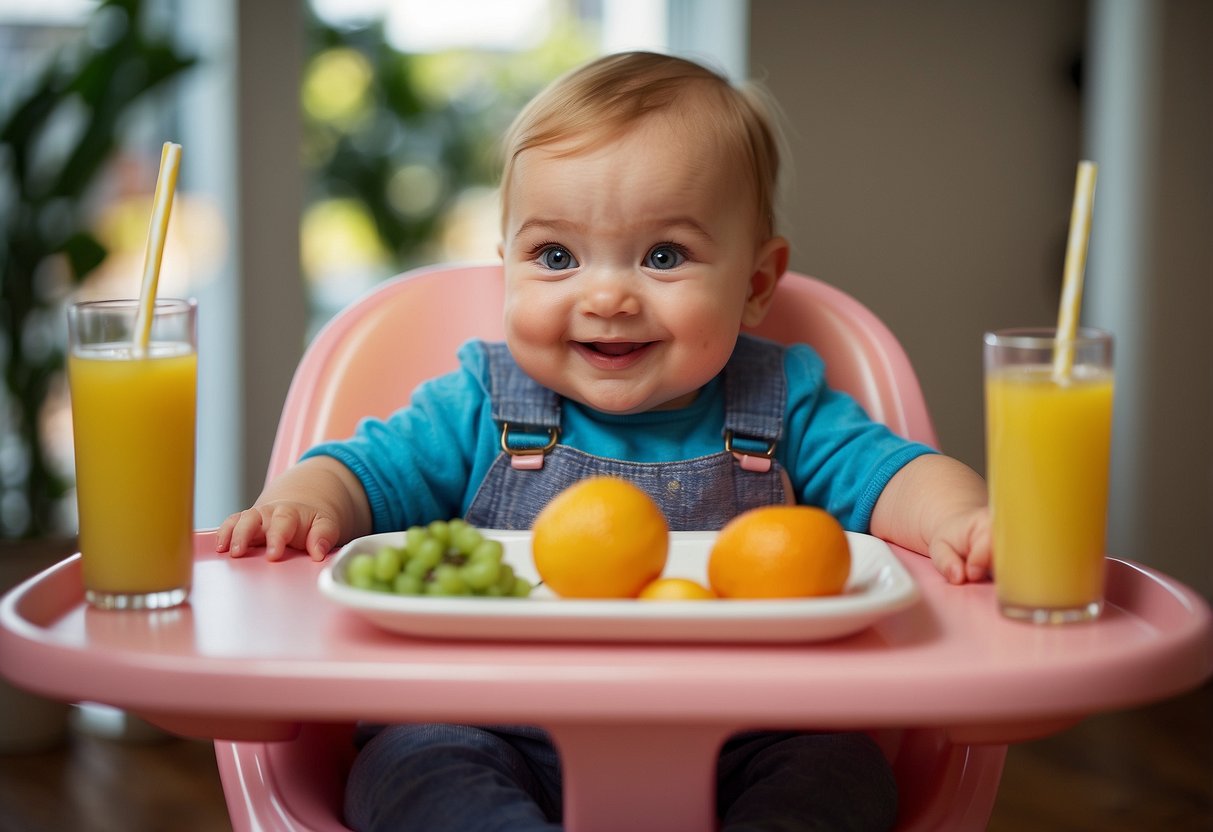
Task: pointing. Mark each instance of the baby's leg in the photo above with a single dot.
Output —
(772, 782)
(455, 777)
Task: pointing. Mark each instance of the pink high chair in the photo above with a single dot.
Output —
(366, 361)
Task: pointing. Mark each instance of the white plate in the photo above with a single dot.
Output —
(878, 586)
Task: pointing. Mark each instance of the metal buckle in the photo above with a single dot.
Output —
(758, 462)
(527, 458)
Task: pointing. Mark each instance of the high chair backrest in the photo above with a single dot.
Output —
(367, 360)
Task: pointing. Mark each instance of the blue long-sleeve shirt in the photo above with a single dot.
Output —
(426, 461)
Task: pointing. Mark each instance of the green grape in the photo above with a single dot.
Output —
(406, 584)
(361, 569)
(443, 558)
(361, 581)
(417, 568)
(482, 573)
(413, 538)
(488, 549)
(447, 578)
(465, 538)
(505, 579)
(387, 564)
(429, 552)
(440, 531)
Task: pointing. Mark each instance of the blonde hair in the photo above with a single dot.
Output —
(605, 98)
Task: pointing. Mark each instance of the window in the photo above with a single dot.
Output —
(402, 103)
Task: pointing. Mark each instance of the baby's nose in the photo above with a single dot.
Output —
(608, 294)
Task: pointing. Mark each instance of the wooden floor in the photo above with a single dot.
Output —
(1137, 771)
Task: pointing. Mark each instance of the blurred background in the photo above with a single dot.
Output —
(331, 144)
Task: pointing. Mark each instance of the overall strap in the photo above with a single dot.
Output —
(516, 397)
(756, 394)
(528, 412)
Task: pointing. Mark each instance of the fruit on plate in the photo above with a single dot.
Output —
(602, 537)
(447, 558)
(780, 552)
(675, 589)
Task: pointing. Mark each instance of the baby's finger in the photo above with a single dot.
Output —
(320, 537)
(977, 564)
(247, 532)
(280, 533)
(223, 536)
(976, 571)
(948, 562)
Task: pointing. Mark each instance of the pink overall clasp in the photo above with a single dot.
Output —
(759, 463)
(527, 459)
(753, 462)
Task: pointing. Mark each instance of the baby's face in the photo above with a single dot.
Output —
(630, 268)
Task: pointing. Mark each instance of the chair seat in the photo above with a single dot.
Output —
(366, 361)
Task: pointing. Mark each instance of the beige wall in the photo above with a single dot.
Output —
(1174, 509)
(272, 307)
(933, 149)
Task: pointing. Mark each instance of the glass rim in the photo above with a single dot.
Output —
(1042, 337)
(128, 303)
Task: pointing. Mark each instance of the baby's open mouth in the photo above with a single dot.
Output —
(614, 356)
(615, 347)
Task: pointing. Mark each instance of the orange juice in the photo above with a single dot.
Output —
(133, 420)
(1048, 447)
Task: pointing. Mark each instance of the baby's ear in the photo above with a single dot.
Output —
(769, 266)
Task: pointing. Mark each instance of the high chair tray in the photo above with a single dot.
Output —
(879, 585)
(258, 649)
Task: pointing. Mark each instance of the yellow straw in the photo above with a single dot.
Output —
(162, 206)
(1076, 261)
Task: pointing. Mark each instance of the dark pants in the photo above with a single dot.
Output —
(432, 778)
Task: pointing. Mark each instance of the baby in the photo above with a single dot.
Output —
(638, 240)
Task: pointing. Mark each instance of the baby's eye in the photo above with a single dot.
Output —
(557, 258)
(665, 257)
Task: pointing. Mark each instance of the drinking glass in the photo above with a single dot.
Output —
(1048, 447)
(133, 420)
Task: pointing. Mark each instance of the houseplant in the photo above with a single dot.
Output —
(55, 143)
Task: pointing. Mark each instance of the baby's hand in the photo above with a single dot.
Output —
(277, 525)
(960, 548)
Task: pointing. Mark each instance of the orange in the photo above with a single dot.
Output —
(602, 537)
(675, 589)
(780, 552)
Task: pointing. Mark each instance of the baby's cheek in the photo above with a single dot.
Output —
(528, 331)
(538, 318)
(535, 343)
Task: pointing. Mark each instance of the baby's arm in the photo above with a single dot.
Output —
(312, 506)
(938, 506)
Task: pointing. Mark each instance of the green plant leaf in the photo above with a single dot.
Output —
(102, 80)
(84, 253)
(130, 79)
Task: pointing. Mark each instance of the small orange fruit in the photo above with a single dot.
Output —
(675, 589)
(602, 537)
(780, 552)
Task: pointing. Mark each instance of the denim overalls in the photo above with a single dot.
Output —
(506, 778)
(695, 494)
